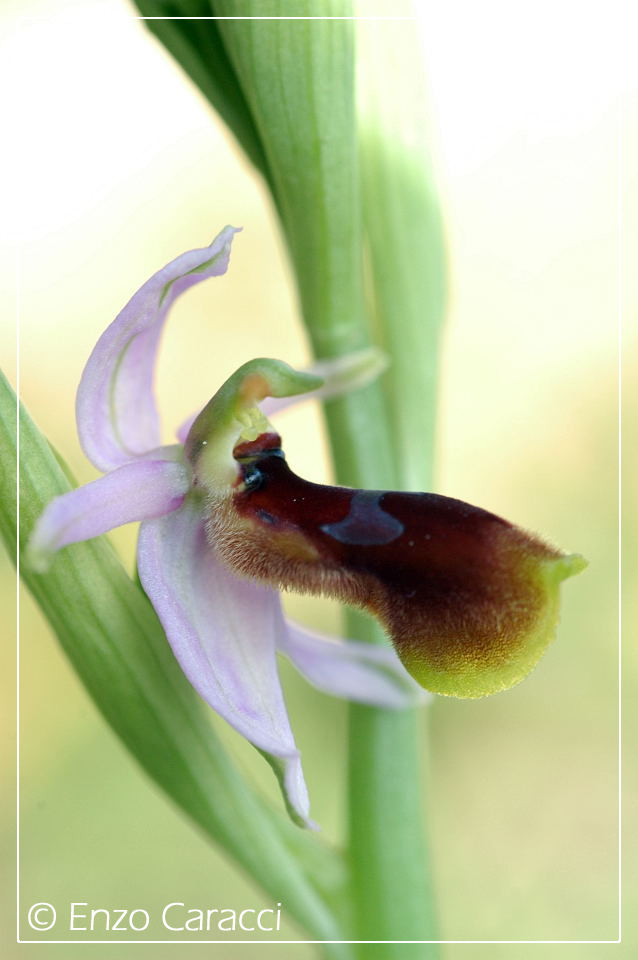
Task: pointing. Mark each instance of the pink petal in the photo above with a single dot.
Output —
(341, 375)
(223, 632)
(115, 406)
(136, 491)
(350, 669)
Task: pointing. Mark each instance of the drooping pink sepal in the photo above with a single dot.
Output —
(224, 633)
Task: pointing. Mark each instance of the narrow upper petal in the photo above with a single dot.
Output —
(223, 632)
(340, 375)
(135, 491)
(356, 671)
(115, 407)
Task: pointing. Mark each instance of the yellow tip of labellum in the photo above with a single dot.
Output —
(479, 664)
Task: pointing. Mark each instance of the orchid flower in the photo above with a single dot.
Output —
(224, 629)
(469, 600)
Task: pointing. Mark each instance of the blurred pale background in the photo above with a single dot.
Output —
(122, 166)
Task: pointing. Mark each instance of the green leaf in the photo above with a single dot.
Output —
(197, 46)
(297, 77)
(110, 632)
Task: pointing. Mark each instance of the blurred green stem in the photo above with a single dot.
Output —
(298, 79)
(405, 244)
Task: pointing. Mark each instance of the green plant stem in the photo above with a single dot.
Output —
(294, 113)
(405, 244)
(198, 48)
(388, 855)
(298, 78)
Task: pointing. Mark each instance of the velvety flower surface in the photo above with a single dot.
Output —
(470, 601)
(224, 628)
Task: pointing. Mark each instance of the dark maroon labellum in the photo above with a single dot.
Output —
(462, 592)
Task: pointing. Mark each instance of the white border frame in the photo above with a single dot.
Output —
(229, 942)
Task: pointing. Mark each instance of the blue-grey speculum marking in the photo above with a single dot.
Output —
(367, 523)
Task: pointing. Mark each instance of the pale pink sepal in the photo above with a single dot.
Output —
(224, 633)
(135, 491)
(351, 669)
(115, 407)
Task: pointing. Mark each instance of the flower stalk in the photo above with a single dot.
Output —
(298, 78)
